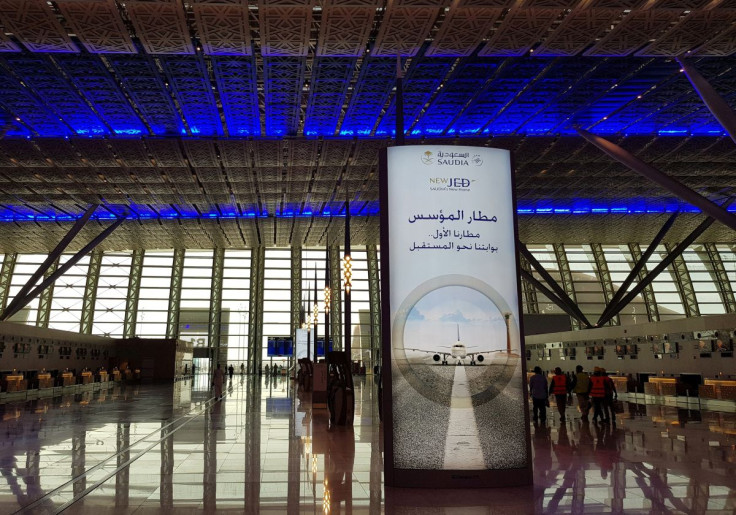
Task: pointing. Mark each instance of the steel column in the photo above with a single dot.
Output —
(43, 314)
(6, 274)
(662, 265)
(374, 295)
(638, 266)
(684, 284)
(565, 306)
(604, 276)
(90, 293)
(720, 276)
(53, 256)
(255, 318)
(650, 301)
(336, 300)
(559, 292)
(716, 105)
(20, 303)
(214, 329)
(177, 272)
(134, 290)
(566, 277)
(399, 102)
(296, 290)
(634, 163)
(530, 294)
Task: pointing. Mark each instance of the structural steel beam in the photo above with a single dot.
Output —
(177, 272)
(6, 274)
(43, 315)
(658, 269)
(255, 313)
(559, 292)
(604, 275)
(374, 296)
(638, 266)
(672, 185)
(296, 290)
(549, 294)
(720, 277)
(214, 329)
(650, 301)
(134, 290)
(717, 106)
(336, 300)
(61, 270)
(52, 257)
(530, 294)
(563, 265)
(684, 284)
(90, 293)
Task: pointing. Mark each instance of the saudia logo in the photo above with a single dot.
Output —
(451, 158)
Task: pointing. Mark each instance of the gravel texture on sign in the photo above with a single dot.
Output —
(420, 425)
(501, 421)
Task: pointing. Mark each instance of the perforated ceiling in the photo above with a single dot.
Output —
(235, 123)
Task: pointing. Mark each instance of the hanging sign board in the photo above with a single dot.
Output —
(453, 370)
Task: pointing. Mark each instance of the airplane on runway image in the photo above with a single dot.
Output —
(459, 351)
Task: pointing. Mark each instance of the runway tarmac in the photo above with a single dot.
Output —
(459, 417)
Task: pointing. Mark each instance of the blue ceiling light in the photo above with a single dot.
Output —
(546, 208)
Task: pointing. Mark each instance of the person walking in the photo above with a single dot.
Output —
(558, 387)
(538, 393)
(230, 371)
(597, 394)
(581, 387)
(217, 379)
(242, 369)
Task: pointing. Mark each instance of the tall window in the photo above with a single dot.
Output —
(153, 298)
(236, 304)
(112, 292)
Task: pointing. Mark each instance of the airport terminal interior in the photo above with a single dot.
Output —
(184, 184)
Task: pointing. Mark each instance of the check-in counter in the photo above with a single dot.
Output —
(661, 386)
(718, 389)
(68, 379)
(103, 376)
(128, 374)
(116, 376)
(45, 381)
(620, 383)
(16, 383)
(87, 377)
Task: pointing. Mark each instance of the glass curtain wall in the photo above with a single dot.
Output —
(155, 291)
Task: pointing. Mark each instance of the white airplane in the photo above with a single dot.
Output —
(458, 351)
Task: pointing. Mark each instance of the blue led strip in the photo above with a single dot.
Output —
(377, 79)
(330, 80)
(422, 80)
(48, 84)
(468, 78)
(188, 80)
(283, 78)
(96, 84)
(142, 82)
(236, 83)
(9, 214)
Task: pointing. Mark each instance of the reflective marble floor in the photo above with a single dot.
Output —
(171, 449)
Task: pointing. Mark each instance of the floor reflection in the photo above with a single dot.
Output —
(159, 449)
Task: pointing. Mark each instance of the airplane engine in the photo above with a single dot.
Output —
(436, 357)
(479, 358)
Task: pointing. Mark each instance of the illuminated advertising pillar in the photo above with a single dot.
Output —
(455, 401)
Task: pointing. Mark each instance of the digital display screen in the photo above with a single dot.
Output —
(455, 348)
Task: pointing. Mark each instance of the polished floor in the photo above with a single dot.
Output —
(263, 449)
